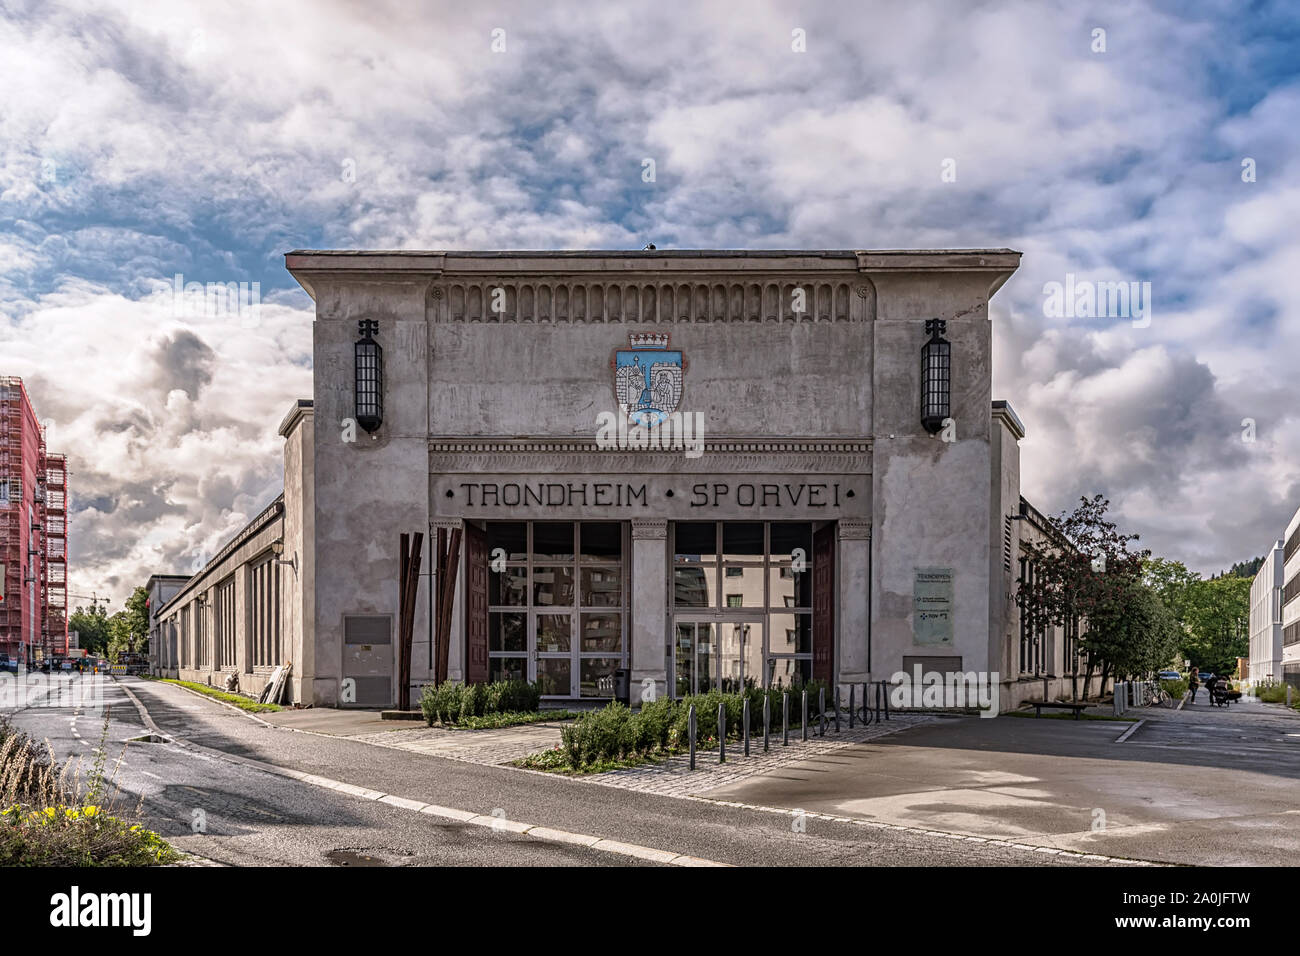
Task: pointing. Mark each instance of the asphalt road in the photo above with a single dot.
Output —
(1200, 786)
(255, 817)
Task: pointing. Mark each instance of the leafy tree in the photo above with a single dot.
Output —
(1087, 569)
(91, 626)
(1218, 623)
(1171, 581)
(128, 629)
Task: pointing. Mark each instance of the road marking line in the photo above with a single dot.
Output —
(1130, 732)
(533, 830)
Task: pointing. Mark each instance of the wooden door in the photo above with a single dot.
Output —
(823, 571)
(476, 604)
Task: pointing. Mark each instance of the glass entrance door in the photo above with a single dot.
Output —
(724, 654)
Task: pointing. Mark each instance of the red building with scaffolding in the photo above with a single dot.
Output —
(33, 534)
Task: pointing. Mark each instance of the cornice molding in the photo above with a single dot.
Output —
(578, 456)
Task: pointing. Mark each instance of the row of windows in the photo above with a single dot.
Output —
(195, 645)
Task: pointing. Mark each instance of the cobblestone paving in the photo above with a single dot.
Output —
(673, 777)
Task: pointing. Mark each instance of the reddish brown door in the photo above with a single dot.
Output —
(476, 603)
(824, 604)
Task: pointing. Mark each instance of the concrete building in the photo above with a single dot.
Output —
(1265, 662)
(33, 535)
(1291, 602)
(704, 468)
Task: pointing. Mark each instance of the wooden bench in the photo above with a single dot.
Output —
(1038, 706)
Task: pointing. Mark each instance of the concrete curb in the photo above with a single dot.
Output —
(493, 821)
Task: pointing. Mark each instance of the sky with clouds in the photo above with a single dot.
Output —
(143, 139)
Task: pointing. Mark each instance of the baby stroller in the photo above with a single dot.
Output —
(1221, 695)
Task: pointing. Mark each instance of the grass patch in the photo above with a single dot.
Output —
(510, 719)
(1065, 716)
(556, 760)
(239, 700)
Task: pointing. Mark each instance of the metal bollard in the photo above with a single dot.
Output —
(690, 732)
(745, 722)
(785, 719)
(767, 721)
(722, 733)
(1116, 708)
(821, 712)
(803, 727)
(837, 709)
(852, 706)
(1288, 695)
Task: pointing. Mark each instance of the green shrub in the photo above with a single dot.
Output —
(452, 702)
(1174, 688)
(1274, 694)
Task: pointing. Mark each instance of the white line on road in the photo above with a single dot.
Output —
(1130, 732)
(495, 823)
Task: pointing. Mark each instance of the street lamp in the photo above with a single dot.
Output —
(936, 377)
(369, 364)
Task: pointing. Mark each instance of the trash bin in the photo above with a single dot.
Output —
(622, 691)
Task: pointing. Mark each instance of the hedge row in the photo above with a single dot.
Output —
(617, 733)
(452, 702)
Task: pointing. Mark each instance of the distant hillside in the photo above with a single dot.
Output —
(1243, 569)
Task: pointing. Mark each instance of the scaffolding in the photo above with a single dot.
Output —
(33, 532)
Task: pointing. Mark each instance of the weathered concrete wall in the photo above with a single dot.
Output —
(473, 391)
(931, 499)
(298, 579)
(371, 489)
(197, 598)
(1004, 538)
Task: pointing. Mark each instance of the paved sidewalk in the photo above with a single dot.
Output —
(672, 777)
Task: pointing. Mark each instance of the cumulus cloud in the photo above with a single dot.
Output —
(147, 139)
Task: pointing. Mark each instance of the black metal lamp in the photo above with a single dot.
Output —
(369, 359)
(936, 377)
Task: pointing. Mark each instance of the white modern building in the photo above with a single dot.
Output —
(1266, 618)
(1291, 602)
(701, 468)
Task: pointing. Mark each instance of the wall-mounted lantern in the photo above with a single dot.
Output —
(369, 359)
(936, 377)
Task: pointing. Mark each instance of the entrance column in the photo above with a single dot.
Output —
(854, 616)
(649, 608)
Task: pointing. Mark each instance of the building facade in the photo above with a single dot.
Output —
(1291, 602)
(33, 534)
(692, 469)
(1264, 665)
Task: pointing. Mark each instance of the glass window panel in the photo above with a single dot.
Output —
(693, 587)
(553, 633)
(507, 668)
(596, 676)
(508, 588)
(553, 676)
(602, 587)
(512, 536)
(601, 632)
(787, 588)
(553, 541)
(742, 539)
(790, 672)
(790, 633)
(747, 586)
(553, 587)
(696, 541)
(507, 632)
(789, 535)
(601, 541)
(704, 650)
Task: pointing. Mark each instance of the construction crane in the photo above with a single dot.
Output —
(93, 597)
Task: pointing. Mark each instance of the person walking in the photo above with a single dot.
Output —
(1193, 684)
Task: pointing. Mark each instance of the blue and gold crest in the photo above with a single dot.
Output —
(648, 378)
